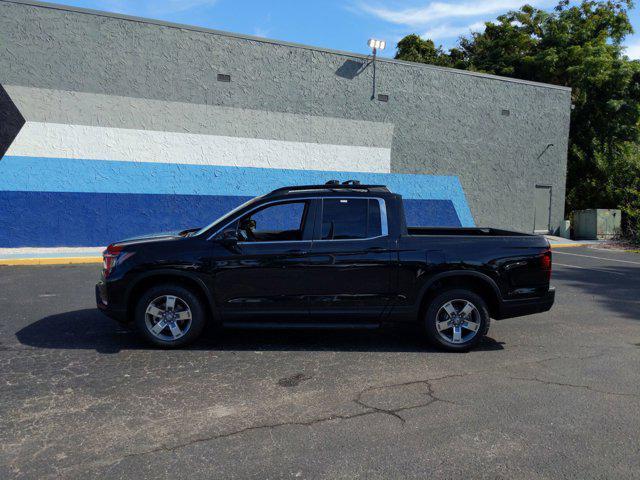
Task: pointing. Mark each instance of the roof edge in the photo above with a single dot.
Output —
(163, 23)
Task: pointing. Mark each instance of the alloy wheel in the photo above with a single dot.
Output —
(458, 321)
(168, 317)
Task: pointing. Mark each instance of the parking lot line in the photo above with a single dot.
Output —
(586, 268)
(599, 258)
(566, 245)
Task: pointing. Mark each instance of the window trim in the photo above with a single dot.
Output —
(263, 206)
(306, 209)
(384, 224)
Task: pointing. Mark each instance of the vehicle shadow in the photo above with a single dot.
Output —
(617, 288)
(89, 329)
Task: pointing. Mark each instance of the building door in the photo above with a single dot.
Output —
(542, 216)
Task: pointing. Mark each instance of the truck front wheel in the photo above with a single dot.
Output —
(456, 319)
(169, 316)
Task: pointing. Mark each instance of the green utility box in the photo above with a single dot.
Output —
(596, 224)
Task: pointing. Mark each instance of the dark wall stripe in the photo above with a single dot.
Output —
(51, 219)
(11, 121)
(431, 213)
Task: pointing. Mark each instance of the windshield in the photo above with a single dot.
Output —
(227, 215)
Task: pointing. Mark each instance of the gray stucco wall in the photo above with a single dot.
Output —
(444, 122)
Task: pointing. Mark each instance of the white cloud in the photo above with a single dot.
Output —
(450, 31)
(262, 32)
(633, 49)
(425, 15)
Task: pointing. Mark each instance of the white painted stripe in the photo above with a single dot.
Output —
(599, 258)
(586, 268)
(114, 111)
(55, 140)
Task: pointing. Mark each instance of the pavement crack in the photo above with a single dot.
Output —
(369, 410)
(171, 448)
(573, 385)
(393, 413)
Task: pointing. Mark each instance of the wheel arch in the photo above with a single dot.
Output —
(477, 282)
(158, 277)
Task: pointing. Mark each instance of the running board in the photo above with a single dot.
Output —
(302, 326)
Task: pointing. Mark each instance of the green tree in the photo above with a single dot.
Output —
(580, 47)
(416, 49)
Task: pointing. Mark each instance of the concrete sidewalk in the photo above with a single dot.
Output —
(560, 242)
(50, 256)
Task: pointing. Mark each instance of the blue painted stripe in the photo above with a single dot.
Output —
(431, 213)
(102, 176)
(51, 219)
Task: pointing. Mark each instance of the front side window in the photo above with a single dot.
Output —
(350, 219)
(280, 222)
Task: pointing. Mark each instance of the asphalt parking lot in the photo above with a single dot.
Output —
(555, 395)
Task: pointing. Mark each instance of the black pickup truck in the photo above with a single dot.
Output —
(325, 256)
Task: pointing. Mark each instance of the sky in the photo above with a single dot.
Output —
(335, 24)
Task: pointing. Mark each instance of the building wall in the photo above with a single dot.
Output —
(114, 126)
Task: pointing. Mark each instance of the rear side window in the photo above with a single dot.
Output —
(350, 218)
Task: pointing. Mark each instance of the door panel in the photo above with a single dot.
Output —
(352, 279)
(350, 261)
(265, 282)
(264, 276)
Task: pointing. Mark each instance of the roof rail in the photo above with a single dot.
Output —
(331, 185)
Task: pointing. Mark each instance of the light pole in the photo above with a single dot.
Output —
(375, 45)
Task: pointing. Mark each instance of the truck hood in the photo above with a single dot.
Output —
(156, 237)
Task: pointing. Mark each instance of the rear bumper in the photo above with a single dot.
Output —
(103, 304)
(529, 306)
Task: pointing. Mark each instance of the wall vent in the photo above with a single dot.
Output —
(222, 77)
(506, 113)
(383, 97)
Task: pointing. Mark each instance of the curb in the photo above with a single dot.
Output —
(49, 261)
(568, 245)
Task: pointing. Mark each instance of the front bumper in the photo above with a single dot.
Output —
(104, 305)
(529, 306)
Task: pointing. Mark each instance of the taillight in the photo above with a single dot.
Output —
(110, 258)
(546, 262)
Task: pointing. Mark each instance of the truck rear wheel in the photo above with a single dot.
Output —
(457, 319)
(169, 316)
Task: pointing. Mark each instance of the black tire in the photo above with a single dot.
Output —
(184, 296)
(442, 299)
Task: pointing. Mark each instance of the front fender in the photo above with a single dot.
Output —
(167, 274)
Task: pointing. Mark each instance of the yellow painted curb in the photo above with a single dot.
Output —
(50, 261)
(567, 245)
